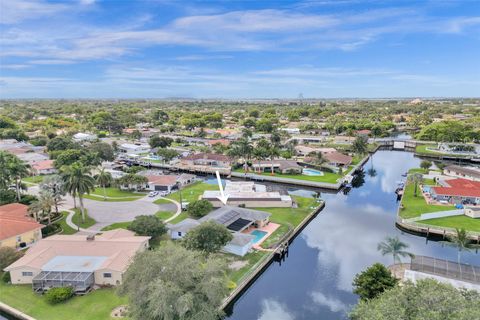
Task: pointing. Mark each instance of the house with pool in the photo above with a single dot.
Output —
(249, 227)
(278, 165)
(456, 191)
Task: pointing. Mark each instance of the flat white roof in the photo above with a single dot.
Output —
(74, 263)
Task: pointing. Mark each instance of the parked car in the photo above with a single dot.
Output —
(153, 194)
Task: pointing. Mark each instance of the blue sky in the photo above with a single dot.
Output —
(239, 49)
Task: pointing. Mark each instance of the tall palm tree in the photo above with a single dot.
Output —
(104, 178)
(395, 247)
(78, 181)
(273, 152)
(460, 241)
(416, 179)
(18, 169)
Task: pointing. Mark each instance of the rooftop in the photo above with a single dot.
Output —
(14, 221)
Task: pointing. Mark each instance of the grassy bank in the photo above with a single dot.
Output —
(192, 192)
(414, 206)
(96, 305)
(461, 222)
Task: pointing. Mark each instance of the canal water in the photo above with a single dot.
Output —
(315, 281)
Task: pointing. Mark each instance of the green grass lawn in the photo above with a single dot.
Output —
(65, 227)
(461, 222)
(192, 192)
(288, 217)
(95, 305)
(162, 201)
(422, 149)
(77, 219)
(182, 216)
(117, 193)
(252, 258)
(328, 177)
(163, 215)
(35, 179)
(415, 206)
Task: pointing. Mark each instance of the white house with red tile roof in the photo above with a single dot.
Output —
(17, 229)
(457, 191)
(44, 167)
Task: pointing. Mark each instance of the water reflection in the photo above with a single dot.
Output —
(315, 280)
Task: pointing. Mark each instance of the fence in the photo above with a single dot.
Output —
(445, 268)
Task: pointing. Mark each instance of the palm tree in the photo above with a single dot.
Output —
(273, 152)
(104, 178)
(42, 208)
(78, 181)
(416, 179)
(460, 241)
(18, 169)
(395, 247)
(56, 186)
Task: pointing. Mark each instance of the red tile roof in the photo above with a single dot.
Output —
(167, 180)
(43, 165)
(15, 221)
(460, 188)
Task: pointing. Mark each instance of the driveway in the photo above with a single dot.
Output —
(106, 213)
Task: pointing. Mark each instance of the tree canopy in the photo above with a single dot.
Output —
(428, 299)
(199, 208)
(373, 281)
(150, 226)
(208, 237)
(174, 283)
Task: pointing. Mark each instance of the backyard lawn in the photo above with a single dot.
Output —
(415, 206)
(461, 222)
(252, 258)
(288, 217)
(422, 149)
(328, 177)
(95, 305)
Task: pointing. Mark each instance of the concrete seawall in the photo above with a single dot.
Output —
(268, 259)
(14, 312)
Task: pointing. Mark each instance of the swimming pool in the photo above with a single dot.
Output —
(312, 172)
(258, 234)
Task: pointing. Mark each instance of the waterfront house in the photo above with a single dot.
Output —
(248, 194)
(134, 148)
(234, 219)
(462, 172)
(17, 228)
(457, 191)
(282, 166)
(80, 261)
(207, 160)
(337, 159)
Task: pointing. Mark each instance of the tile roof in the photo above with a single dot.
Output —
(162, 180)
(14, 221)
(43, 165)
(338, 157)
(118, 246)
(459, 187)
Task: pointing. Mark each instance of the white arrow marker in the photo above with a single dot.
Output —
(222, 197)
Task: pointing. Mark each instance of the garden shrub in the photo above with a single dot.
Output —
(57, 295)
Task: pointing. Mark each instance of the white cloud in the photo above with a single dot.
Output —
(250, 30)
(15, 11)
(273, 310)
(335, 305)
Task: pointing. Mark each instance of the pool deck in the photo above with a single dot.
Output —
(269, 229)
